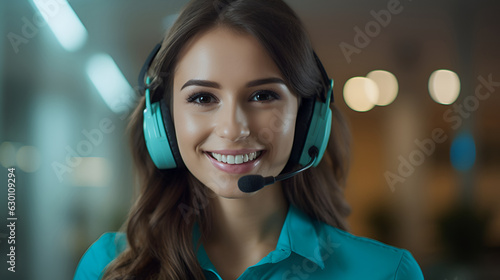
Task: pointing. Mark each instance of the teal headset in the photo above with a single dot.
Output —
(312, 129)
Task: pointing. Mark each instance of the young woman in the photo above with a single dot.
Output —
(231, 87)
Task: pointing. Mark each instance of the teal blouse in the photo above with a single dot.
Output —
(306, 249)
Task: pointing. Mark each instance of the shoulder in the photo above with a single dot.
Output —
(99, 255)
(362, 257)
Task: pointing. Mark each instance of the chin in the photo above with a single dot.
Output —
(225, 190)
(232, 192)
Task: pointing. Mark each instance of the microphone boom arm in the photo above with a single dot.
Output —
(255, 182)
(313, 152)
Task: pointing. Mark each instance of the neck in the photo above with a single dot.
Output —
(252, 221)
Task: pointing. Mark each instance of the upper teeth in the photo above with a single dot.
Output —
(235, 159)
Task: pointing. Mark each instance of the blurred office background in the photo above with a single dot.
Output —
(419, 82)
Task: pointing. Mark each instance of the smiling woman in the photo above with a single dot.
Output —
(224, 113)
(237, 90)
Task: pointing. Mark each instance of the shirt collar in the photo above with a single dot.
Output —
(298, 235)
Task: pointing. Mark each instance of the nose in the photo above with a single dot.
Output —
(232, 122)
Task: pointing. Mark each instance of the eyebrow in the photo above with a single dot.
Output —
(205, 83)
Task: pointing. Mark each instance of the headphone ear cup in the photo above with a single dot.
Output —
(171, 136)
(312, 128)
(302, 123)
(155, 135)
(318, 133)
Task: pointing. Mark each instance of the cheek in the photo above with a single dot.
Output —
(276, 129)
(189, 130)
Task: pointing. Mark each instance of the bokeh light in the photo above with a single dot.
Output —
(110, 82)
(361, 94)
(387, 86)
(92, 172)
(463, 152)
(7, 154)
(444, 86)
(28, 159)
(64, 23)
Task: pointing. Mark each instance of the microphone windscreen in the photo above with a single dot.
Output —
(251, 183)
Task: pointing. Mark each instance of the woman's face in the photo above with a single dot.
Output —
(233, 113)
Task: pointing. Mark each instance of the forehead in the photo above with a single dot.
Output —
(224, 53)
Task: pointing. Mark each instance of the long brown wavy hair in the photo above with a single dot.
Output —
(160, 224)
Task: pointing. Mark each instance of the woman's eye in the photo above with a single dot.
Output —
(201, 98)
(265, 96)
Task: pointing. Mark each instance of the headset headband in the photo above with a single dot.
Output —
(145, 68)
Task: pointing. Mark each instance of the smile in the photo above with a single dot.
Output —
(236, 159)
